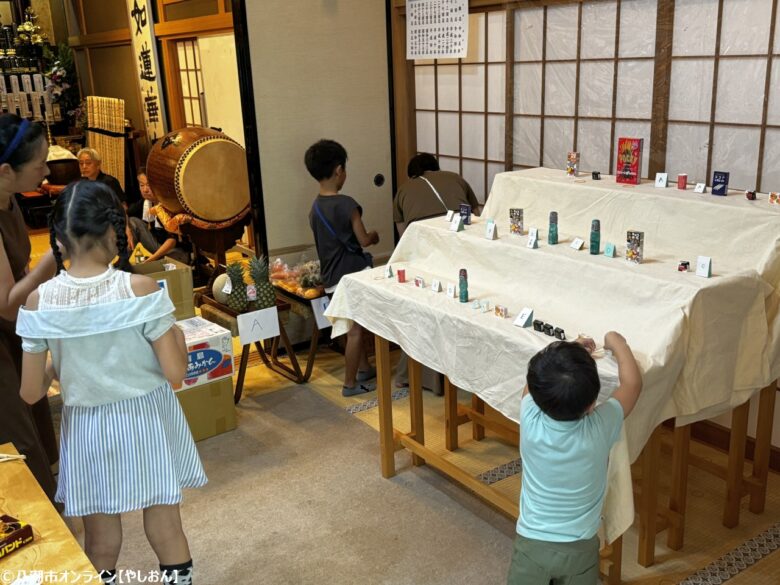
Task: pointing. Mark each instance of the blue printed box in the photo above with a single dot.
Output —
(210, 351)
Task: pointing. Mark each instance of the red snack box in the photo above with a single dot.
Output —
(629, 161)
(682, 182)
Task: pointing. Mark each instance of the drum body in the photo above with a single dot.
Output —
(200, 172)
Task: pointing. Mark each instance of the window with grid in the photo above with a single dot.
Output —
(725, 62)
(461, 104)
(191, 82)
(583, 77)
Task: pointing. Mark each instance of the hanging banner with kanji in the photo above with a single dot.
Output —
(145, 50)
(437, 29)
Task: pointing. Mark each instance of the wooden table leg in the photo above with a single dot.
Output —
(477, 430)
(241, 374)
(416, 407)
(612, 562)
(736, 465)
(450, 415)
(315, 339)
(679, 491)
(766, 415)
(384, 398)
(648, 508)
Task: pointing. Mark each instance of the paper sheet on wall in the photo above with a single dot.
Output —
(437, 29)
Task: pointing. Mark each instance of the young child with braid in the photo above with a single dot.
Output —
(124, 443)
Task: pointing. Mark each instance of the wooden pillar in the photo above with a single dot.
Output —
(450, 415)
(679, 492)
(766, 415)
(648, 507)
(736, 465)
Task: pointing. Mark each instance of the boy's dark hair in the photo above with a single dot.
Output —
(420, 163)
(82, 213)
(323, 157)
(563, 380)
(25, 150)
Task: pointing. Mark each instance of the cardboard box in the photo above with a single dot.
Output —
(209, 408)
(210, 349)
(178, 283)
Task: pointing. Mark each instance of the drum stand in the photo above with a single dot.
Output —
(215, 241)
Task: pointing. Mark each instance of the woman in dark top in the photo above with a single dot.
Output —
(23, 151)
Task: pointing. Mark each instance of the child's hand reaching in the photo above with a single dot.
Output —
(586, 342)
(614, 340)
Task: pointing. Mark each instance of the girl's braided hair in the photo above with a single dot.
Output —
(82, 213)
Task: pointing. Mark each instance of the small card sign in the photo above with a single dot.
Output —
(704, 266)
(484, 306)
(609, 250)
(700, 188)
(525, 318)
(456, 225)
(577, 243)
(228, 287)
(452, 291)
(533, 238)
(258, 325)
(491, 230)
(388, 271)
(661, 180)
(436, 285)
(318, 307)
(419, 282)
(449, 216)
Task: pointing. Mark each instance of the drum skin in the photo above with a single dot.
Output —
(200, 172)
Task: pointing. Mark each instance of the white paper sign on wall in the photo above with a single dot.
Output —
(258, 325)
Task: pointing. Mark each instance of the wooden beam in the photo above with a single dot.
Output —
(404, 99)
(766, 411)
(501, 426)
(478, 407)
(662, 78)
(679, 491)
(195, 26)
(102, 39)
(450, 415)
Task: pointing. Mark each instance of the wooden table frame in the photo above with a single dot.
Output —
(392, 440)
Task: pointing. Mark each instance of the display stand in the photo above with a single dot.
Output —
(268, 350)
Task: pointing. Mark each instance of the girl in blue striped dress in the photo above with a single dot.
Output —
(124, 442)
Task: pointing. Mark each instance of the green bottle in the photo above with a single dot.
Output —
(595, 236)
(463, 286)
(552, 232)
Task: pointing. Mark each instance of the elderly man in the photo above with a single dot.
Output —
(89, 163)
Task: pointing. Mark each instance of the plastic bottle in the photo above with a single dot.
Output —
(595, 237)
(463, 286)
(552, 232)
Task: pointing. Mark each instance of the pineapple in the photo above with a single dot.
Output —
(237, 299)
(258, 271)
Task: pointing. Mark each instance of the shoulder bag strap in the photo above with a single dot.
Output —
(435, 192)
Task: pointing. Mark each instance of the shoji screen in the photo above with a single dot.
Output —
(460, 105)
(722, 57)
(583, 78)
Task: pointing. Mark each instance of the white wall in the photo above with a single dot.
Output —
(725, 420)
(220, 83)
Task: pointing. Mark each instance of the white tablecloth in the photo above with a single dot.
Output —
(703, 344)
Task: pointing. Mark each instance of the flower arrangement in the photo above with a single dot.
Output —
(62, 82)
(29, 32)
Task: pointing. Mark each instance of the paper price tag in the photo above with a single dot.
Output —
(533, 238)
(704, 266)
(228, 287)
(491, 230)
(661, 180)
(609, 250)
(436, 285)
(318, 307)
(700, 188)
(388, 271)
(452, 291)
(456, 225)
(525, 318)
(577, 243)
(251, 292)
(449, 216)
(258, 325)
